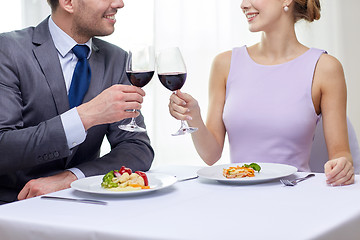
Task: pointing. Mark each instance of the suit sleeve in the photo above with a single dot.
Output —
(128, 149)
(23, 145)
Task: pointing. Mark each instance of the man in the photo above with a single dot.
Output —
(45, 144)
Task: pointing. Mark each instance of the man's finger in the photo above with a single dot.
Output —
(129, 89)
(23, 193)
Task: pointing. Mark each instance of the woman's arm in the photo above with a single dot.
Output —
(329, 78)
(209, 139)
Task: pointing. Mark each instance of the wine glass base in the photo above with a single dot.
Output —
(185, 130)
(132, 128)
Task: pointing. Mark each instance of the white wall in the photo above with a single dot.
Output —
(10, 20)
(349, 43)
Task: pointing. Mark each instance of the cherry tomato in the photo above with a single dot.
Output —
(143, 175)
(124, 169)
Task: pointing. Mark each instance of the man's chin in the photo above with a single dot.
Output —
(105, 33)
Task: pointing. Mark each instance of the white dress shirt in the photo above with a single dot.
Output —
(73, 127)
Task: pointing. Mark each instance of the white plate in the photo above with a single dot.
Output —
(269, 171)
(157, 181)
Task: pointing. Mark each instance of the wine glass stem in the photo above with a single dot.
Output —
(132, 121)
(183, 124)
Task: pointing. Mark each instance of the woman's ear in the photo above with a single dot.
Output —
(287, 3)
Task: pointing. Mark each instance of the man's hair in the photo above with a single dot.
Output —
(53, 4)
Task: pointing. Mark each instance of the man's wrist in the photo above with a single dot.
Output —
(70, 176)
(83, 116)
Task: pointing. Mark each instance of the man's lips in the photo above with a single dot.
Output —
(111, 17)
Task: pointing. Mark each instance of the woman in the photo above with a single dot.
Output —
(268, 97)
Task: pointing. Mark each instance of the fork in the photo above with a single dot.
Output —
(295, 181)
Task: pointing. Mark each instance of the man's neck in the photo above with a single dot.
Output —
(65, 22)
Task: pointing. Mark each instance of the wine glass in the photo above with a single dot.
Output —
(140, 67)
(172, 74)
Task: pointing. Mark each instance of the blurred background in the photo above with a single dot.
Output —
(202, 29)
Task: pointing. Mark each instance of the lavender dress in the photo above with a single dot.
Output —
(269, 114)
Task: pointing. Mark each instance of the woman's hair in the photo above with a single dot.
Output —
(53, 4)
(307, 9)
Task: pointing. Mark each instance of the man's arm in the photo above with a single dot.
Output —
(23, 146)
(132, 150)
(41, 186)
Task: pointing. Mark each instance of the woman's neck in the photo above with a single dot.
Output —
(277, 47)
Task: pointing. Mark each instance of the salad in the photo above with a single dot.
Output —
(125, 180)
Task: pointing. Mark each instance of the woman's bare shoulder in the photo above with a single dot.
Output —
(222, 61)
(223, 57)
(329, 73)
(329, 65)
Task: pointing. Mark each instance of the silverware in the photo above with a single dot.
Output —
(91, 201)
(295, 181)
(186, 179)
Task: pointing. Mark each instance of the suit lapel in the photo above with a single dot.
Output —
(96, 62)
(47, 57)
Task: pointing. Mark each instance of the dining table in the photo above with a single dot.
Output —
(192, 207)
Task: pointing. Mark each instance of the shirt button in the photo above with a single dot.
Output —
(74, 144)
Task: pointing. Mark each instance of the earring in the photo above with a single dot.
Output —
(286, 8)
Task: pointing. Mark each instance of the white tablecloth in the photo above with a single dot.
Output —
(194, 209)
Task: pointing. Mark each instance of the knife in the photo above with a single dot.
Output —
(186, 179)
(90, 201)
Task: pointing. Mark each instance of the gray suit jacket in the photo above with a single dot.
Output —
(33, 95)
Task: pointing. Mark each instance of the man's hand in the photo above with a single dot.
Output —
(111, 105)
(41, 186)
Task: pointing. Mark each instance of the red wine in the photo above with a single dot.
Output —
(140, 79)
(172, 81)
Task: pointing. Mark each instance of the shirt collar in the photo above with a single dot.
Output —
(63, 42)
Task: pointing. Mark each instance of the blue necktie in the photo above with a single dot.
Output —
(81, 78)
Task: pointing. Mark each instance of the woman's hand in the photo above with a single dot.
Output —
(183, 106)
(339, 171)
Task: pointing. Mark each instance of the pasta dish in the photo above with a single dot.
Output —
(243, 171)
